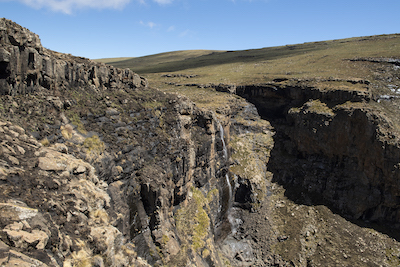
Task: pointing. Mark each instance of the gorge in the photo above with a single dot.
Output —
(99, 168)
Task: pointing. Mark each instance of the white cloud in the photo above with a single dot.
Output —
(184, 33)
(187, 34)
(163, 2)
(171, 29)
(67, 6)
(149, 24)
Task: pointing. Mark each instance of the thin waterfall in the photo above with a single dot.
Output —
(221, 129)
(228, 211)
(226, 158)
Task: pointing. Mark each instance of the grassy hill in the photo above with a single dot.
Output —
(112, 60)
(314, 62)
(158, 62)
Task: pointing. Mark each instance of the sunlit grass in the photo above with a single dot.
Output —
(110, 60)
(317, 59)
(325, 65)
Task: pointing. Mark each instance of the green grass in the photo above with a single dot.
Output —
(94, 144)
(111, 60)
(316, 59)
(76, 120)
(325, 65)
(158, 62)
(193, 221)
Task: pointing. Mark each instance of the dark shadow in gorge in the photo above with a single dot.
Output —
(307, 178)
(291, 167)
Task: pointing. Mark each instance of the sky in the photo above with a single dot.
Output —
(134, 28)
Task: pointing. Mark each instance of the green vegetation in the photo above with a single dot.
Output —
(314, 106)
(76, 120)
(193, 221)
(81, 258)
(327, 65)
(317, 106)
(45, 142)
(111, 60)
(153, 104)
(158, 62)
(308, 60)
(94, 145)
(66, 131)
(250, 152)
(393, 257)
(164, 239)
(211, 194)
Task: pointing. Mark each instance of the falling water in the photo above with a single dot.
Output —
(226, 158)
(230, 218)
(221, 129)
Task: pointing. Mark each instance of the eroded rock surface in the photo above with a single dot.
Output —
(26, 66)
(122, 173)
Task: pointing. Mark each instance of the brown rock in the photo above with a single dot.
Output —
(23, 239)
(51, 164)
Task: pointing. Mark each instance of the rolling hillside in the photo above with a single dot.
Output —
(308, 60)
(346, 64)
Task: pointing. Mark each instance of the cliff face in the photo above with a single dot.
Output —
(99, 169)
(123, 174)
(335, 145)
(26, 67)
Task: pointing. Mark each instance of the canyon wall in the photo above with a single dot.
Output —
(332, 147)
(104, 170)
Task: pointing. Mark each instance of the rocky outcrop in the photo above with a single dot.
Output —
(393, 61)
(51, 204)
(27, 67)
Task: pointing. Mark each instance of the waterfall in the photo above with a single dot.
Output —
(226, 158)
(221, 129)
(228, 183)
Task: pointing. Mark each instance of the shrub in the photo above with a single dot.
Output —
(45, 142)
(76, 120)
(99, 216)
(94, 144)
(66, 131)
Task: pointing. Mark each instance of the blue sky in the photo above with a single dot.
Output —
(118, 28)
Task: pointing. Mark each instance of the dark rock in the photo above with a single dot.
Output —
(35, 67)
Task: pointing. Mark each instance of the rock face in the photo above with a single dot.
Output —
(342, 151)
(26, 66)
(123, 175)
(99, 169)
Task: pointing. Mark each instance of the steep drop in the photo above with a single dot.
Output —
(339, 146)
